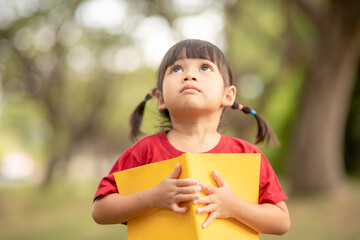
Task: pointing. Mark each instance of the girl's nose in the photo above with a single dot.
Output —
(190, 76)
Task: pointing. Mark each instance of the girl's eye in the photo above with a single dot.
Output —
(176, 70)
(206, 68)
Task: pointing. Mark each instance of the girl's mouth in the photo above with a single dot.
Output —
(190, 89)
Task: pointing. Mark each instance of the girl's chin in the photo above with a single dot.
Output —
(192, 108)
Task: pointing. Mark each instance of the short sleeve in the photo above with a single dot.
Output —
(270, 190)
(108, 185)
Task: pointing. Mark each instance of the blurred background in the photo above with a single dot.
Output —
(72, 71)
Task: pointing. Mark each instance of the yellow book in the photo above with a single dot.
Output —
(240, 171)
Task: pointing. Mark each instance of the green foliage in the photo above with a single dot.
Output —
(62, 87)
(61, 92)
(280, 114)
(24, 124)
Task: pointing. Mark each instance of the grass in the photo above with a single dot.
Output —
(64, 212)
(330, 217)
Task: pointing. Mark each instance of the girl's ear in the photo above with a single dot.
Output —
(160, 101)
(229, 96)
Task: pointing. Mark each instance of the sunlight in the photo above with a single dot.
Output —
(7, 16)
(81, 59)
(107, 14)
(17, 165)
(152, 35)
(206, 26)
(250, 86)
(45, 38)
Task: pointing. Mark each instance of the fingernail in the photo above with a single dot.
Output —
(198, 210)
(198, 188)
(204, 225)
(216, 172)
(195, 201)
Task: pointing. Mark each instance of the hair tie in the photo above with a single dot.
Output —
(252, 112)
(150, 94)
(240, 107)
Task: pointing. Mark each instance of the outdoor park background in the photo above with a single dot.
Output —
(71, 72)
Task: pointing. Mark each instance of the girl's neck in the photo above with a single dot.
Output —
(195, 138)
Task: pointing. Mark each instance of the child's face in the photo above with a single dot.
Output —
(194, 84)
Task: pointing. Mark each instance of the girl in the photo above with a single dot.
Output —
(194, 85)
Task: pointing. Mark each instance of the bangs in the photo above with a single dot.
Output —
(191, 49)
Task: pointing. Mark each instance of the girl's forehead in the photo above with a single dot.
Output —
(187, 60)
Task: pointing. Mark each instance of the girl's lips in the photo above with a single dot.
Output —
(190, 88)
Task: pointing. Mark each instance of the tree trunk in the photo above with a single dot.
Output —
(316, 154)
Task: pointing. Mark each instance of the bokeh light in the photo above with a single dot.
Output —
(17, 165)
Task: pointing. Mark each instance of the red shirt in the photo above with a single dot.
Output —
(157, 148)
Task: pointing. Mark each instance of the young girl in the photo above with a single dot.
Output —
(194, 85)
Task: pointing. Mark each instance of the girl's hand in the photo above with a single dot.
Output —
(171, 191)
(218, 200)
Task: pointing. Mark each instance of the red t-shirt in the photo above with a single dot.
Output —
(156, 148)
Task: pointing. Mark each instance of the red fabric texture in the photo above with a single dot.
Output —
(157, 148)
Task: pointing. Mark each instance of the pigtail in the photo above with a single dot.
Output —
(137, 116)
(265, 133)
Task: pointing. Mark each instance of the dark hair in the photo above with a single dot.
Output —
(137, 116)
(193, 48)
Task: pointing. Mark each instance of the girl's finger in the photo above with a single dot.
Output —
(204, 200)
(176, 173)
(206, 209)
(218, 179)
(206, 188)
(186, 182)
(188, 190)
(210, 218)
(178, 209)
(186, 197)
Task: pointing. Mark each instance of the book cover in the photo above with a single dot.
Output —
(240, 171)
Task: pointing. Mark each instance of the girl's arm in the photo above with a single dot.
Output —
(116, 208)
(221, 202)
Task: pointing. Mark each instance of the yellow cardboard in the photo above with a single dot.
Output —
(240, 171)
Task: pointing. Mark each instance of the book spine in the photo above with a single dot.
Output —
(194, 216)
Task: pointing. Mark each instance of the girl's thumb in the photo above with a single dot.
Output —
(176, 173)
